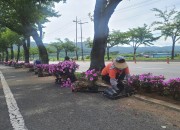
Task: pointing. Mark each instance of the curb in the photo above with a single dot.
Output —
(159, 102)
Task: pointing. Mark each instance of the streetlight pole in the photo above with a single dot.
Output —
(81, 39)
(76, 37)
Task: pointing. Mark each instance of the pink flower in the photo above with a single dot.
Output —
(95, 74)
(91, 79)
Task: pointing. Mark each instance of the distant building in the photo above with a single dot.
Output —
(146, 56)
(159, 55)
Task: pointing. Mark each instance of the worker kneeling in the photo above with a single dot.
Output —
(116, 73)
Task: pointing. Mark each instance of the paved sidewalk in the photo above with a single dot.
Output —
(46, 106)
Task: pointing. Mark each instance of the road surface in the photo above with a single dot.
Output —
(31, 103)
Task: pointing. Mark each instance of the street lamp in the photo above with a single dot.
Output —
(81, 38)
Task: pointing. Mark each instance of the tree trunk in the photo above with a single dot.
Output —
(18, 52)
(42, 50)
(12, 52)
(7, 55)
(3, 56)
(173, 46)
(76, 54)
(108, 53)
(40, 31)
(102, 13)
(65, 53)
(26, 49)
(134, 56)
(57, 55)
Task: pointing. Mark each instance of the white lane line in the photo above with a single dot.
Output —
(16, 118)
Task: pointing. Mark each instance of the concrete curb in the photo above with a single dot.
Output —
(159, 102)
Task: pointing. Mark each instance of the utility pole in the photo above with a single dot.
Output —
(76, 37)
(81, 39)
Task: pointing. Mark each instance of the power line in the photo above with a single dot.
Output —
(140, 4)
(137, 5)
(60, 28)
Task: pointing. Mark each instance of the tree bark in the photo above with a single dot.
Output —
(42, 50)
(57, 54)
(102, 13)
(173, 46)
(18, 52)
(26, 49)
(12, 52)
(134, 56)
(40, 31)
(108, 53)
(7, 55)
(3, 56)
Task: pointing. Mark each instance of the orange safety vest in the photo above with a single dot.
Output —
(112, 71)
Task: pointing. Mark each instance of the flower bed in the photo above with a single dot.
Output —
(64, 72)
(87, 81)
(42, 70)
(18, 65)
(147, 83)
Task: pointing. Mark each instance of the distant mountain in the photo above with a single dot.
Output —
(151, 49)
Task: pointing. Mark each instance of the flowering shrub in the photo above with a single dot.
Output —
(43, 67)
(86, 81)
(13, 63)
(62, 68)
(66, 83)
(28, 65)
(150, 83)
(134, 81)
(17, 64)
(91, 75)
(64, 72)
(174, 87)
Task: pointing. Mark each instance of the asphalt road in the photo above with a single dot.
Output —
(46, 106)
(171, 70)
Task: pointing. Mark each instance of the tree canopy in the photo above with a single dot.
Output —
(169, 25)
(24, 17)
(141, 36)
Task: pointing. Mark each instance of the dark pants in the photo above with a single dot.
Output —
(118, 77)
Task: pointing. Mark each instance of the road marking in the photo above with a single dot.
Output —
(16, 118)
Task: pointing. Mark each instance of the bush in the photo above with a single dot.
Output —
(64, 72)
(149, 83)
(87, 57)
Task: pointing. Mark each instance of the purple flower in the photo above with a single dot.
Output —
(95, 74)
(91, 78)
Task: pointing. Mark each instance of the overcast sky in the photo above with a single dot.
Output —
(128, 14)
